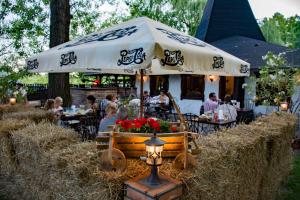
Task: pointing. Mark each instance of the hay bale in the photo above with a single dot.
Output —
(36, 115)
(247, 162)
(33, 143)
(7, 151)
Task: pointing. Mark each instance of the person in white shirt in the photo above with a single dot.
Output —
(58, 102)
(229, 110)
(163, 98)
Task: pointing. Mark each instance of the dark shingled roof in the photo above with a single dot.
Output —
(226, 18)
(252, 50)
(231, 26)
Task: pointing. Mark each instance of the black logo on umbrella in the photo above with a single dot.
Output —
(68, 58)
(109, 35)
(128, 57)
(172, 58)
(184, 39)
(244, 69)
(218, 62)
(32, 64)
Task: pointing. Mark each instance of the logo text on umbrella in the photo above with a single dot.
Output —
(172, 58)
(244, 69)
(128, 57)
(218, 62)
(68, 58)
(106, 36)
(32, 64)
(184, 39)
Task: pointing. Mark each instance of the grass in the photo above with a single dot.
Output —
(291, 189)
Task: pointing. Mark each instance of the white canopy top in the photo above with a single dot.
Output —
(139, 43)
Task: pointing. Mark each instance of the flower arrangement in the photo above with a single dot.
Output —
(144, 125)
(275, 83)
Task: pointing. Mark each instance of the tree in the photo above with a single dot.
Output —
(276, 81)
(58, 83)
(281, 30)
(184, 15)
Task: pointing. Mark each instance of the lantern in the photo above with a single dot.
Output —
(154, 148)
(12, 101)
(284, 106)
(211, 78)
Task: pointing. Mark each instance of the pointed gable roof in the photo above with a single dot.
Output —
(226, 18)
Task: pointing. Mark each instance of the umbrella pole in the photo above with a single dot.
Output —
(141, 93)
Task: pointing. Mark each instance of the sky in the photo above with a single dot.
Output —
(266, 8)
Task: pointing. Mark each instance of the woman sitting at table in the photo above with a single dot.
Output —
(228, 109)
(110, 118)
(93, 106)
(50, 108)
(58, 102)
(49, 105)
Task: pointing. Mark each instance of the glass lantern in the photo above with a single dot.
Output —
(12, 101)
(284, 106)
(154, 148)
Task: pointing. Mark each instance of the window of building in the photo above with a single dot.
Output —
(158, 83)
(192, 87)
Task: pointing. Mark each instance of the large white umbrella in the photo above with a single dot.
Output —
(139, 43)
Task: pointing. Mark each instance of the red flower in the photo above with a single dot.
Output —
(173, 128)
(151, 121)
(155, 125)
(118, 122)
(138, 125)
(126, 125)
(143, 121)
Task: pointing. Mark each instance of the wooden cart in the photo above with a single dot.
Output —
(117, 146)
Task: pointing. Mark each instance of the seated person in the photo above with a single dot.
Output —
(110, 118)
(50, 108)
(108, 99)
(146, 97)
(211, 104)
(229, 110)
(92, 104)
(162, 98)
(49, 105)
(58, 102)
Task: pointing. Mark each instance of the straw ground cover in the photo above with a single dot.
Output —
(246, 162)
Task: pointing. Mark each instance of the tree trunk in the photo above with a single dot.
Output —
(58, 83)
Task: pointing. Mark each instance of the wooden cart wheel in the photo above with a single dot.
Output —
(118, 162)
(179, 161)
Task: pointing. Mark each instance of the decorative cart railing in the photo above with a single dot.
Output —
(116, 147)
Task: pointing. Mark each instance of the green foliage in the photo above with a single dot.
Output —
(281, 30)
(183, 15)
(8, 81)
(275, 83)
(291, 190)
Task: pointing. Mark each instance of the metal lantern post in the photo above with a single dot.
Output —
(154, 148)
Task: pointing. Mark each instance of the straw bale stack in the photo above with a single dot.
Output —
(247, 162)
(7, 153)
(34, 143)
(7, 108)
(36, 115)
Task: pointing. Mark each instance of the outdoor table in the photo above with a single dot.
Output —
(207, 125)
(245, 115)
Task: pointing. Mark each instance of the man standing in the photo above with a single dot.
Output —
(211, 104)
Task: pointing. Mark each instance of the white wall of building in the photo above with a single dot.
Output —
(186, 106)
